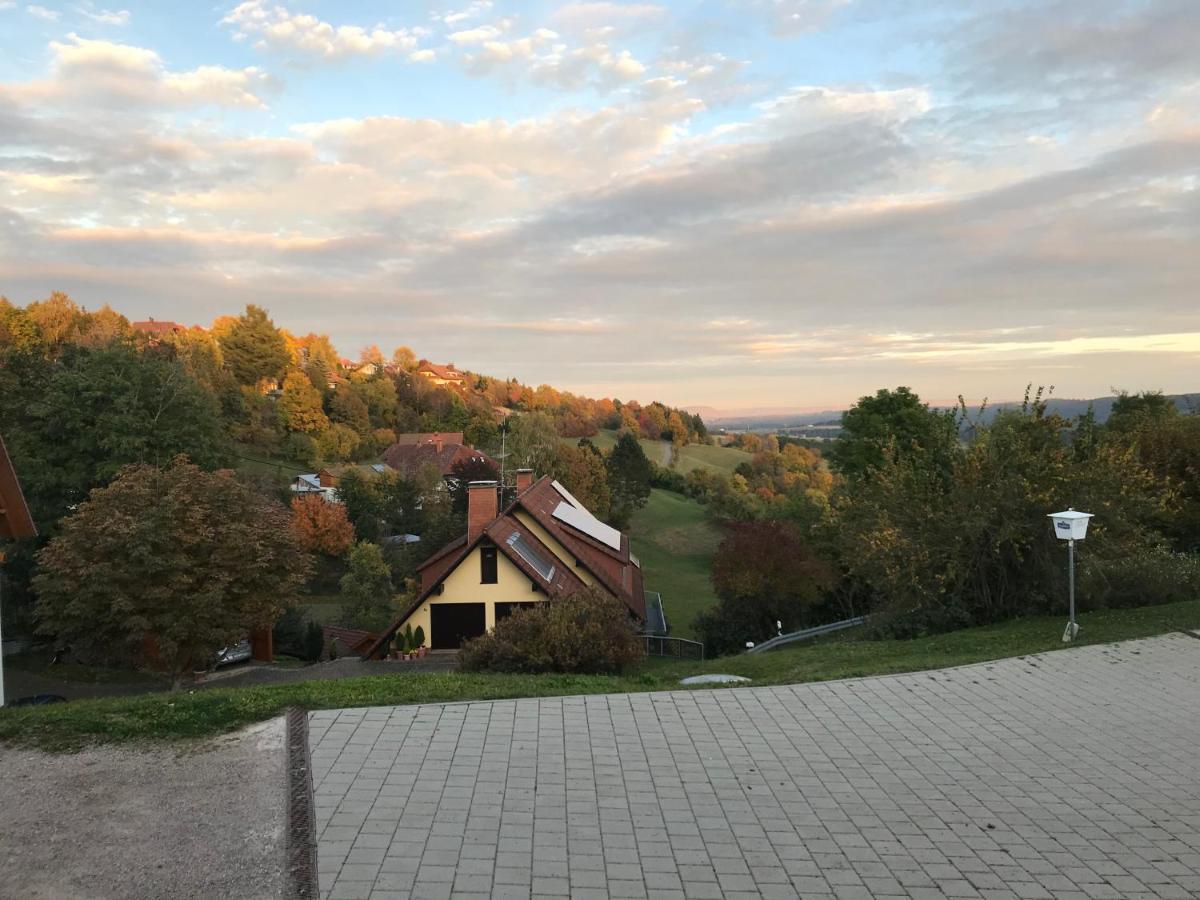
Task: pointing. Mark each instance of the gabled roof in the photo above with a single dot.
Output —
(153, 326)
(429, 437)
(616, 570)
(15, 521)
(447, 371)
(410, 459)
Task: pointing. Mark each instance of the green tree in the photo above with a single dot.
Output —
(889, 426)
(349, 409)
(337, 443)
(254, 348)
(532, 442)
(300, 405)
(194, 559)
(1131, 412)
(942, 552)
(629, 474)
(367, 588)
(73, 423)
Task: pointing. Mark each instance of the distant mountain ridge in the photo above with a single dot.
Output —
(773, 418)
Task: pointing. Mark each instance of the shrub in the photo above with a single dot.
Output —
(314, 640)
(1149, 577)
(588, 632)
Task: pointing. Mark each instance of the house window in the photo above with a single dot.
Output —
(487, 565)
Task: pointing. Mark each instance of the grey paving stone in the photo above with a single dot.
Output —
(1069, 775)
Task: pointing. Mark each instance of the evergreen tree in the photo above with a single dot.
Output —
(629, 474)
(254, 348)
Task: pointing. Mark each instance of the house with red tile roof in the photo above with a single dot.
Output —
(542, 546)
(155, 328)
(409, 459)
(444, 375)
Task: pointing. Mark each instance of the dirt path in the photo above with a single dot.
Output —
(202, 820)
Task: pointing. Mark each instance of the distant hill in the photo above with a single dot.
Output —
(806, 422)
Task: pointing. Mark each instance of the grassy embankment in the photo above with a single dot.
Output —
(205, 713)
(675, 543)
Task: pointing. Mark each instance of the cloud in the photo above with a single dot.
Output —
(274, 27)
(40, 12)
(789, 18)
(105, 16)
(1103, 49)
(692, 221)
(111, 75)
(603, 19)
(472, 11)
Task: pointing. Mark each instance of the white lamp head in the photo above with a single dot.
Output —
(1070, 525)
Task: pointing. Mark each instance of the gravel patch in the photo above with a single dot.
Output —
(198, 821)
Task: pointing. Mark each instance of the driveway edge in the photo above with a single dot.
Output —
(301, 814)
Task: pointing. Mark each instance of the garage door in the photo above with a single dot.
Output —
(453, 623)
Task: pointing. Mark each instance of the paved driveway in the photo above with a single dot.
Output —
(1074, 774)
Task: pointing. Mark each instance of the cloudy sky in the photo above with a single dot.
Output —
(738, 203)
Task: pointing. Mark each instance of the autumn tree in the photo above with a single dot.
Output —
(321, 526)
(300, 405)
(581, 469)
(764, 573)
(193, 559)
(253, 347)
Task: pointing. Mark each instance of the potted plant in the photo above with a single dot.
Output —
(419, 639)
(410, 642)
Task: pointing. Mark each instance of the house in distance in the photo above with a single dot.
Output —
(544, 545)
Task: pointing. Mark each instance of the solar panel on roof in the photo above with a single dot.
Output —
(526, 551)
(584, 521)
(567, 495)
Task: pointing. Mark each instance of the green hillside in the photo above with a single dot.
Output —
(675, 543)
(692, 456)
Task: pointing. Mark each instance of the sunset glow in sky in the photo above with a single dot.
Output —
(737, 203)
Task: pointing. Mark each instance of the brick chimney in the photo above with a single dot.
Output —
(437, 441)
(482, 507)
(524, 479)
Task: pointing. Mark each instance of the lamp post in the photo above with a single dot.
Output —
(1070, 526)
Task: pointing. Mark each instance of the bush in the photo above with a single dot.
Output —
(587, 633)
(314, 641)
(1150, 577)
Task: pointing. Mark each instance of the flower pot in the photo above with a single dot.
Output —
(421, 653)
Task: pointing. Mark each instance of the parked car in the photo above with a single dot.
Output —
(234, 653)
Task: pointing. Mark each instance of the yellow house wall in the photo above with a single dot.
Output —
(546, 538)
(463, 586)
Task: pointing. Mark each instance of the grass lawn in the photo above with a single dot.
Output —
(704, 456)
(675, 543)
(256, 462)
(184, 715)
(692, 456)
(321, 608)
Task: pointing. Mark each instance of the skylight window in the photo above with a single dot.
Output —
(526, 551)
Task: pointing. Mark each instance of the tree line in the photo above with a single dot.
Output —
(937, 519)
(126, 444)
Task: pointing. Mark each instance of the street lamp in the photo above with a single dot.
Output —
(1071, 526)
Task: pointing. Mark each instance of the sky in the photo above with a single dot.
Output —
(731, 203)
